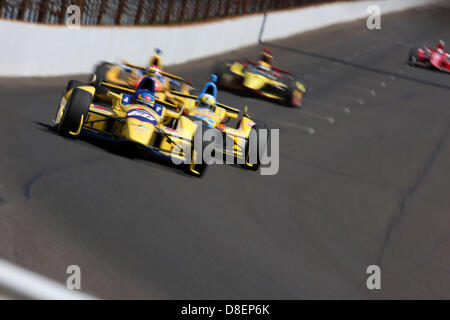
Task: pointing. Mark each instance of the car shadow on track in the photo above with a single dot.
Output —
(119, 149)
(252, 95)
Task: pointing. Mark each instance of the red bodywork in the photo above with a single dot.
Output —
(434, 58)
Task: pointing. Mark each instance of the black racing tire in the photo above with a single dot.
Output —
(199, 168)
(412, 59)
(220, 69)
(257, 128)
(72, 84)
(100, 75)
(292, 87)
(77, 106)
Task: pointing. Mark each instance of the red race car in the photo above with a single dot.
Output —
(431, 58)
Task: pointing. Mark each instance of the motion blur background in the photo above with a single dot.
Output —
(143, 12)
(364, 166)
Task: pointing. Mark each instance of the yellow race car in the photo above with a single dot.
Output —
(130, 76)
(237, 142)
(263, 79)
(138, 119)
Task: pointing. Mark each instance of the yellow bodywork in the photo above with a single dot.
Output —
(119, 76)
(259, 82)
(117, 120)
(218, 118)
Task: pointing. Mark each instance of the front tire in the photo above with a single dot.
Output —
(193, 168)
(75, 113)
(258, 149)
(72, 84)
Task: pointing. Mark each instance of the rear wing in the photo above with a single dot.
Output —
(151, 71)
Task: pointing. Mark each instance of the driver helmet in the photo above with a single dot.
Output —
(207, 101)
(144, 98)
(266, 57)
(156, 60)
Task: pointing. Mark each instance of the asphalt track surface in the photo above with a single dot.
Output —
(364, 179)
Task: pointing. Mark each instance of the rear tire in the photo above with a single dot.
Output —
(100, 76)
(77, 106)
(412, 61)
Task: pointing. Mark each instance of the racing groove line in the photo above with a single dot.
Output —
(372, 188)
(362, 67)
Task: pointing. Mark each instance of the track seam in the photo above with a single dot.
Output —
(28, 186)
(411, 193)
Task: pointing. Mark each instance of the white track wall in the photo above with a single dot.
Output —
(45, 50)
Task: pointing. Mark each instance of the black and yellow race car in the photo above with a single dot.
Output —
(136, 118)
(128, 75)
(263, 79)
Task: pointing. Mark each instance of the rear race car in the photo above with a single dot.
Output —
(264, 80)
(425, 57)
(129, 76)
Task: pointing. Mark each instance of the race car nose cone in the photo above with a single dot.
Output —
(139, 132)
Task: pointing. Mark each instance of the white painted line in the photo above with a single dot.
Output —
(329, 105)
(351, 99)
(367, 91)
(298, 126)
(22, 283)
(372, 81)
(317, 116)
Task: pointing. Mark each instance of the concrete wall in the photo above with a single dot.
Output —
(45, 50)
(316, 17)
